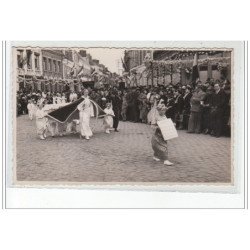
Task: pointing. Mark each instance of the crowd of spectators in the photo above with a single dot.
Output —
(197, 108)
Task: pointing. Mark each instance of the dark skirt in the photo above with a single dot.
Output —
(194, 123)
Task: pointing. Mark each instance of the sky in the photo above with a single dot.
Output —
(108, 57)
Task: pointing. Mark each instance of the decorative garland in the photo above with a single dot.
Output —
(175, 66)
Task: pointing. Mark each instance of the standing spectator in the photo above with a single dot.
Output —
(170, 113)
(116, 104)
(227, 111)
(124, 106)
(206, 119)
(194, 124)
(186, 107)
(179, 105)
(218, 107)
(142, 98)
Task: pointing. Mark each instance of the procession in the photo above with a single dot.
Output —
(148, 94)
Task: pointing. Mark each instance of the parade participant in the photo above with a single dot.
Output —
(58, 98)
(159, 145)
(63, 98)
(41, 122)
(30, 108)
(84, 114)
(152, 114)
(72, 96)
(108, 118)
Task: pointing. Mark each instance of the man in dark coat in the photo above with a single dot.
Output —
(186, 107)
(116, 101)
(217, 110)
(179, 104)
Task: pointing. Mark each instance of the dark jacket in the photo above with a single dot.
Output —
(219, 100)
(179, 104)
(186, 102)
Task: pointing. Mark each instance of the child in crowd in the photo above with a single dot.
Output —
(31, 109)
(108, 118)
(41, 122)
(58, 98)
(63, 100)
(54, 98)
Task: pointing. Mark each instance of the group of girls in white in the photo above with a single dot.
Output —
(44, 124)
(159, 145)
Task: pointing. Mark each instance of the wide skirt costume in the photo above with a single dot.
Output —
(41, 122)
(159, 145)
(85, 111)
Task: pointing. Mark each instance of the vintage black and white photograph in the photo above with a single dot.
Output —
(122, 115)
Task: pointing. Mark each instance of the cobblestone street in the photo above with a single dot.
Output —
(119, 157)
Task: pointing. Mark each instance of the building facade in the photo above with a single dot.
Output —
(52, 70)
(28, 65)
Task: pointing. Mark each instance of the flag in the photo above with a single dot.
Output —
(70, 112)
(124, 65)
(80, 70)
(93, 71)
(195, 72)
(72, 71)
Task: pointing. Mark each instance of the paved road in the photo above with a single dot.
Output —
(119, 157)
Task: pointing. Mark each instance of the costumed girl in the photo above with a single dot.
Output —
(31, 109)
(108, 118)
(41, 122)
(159, 145)
(85, 111)
(152, 114)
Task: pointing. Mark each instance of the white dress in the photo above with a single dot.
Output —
(63, 99)
(85, 112)
(30, 110)
(41, 121)
(108, 119)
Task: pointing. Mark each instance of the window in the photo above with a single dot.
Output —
(54, 66)
(37, 61)
(20, 59)
(29, 59)
(59, 66)
(214, 67)
(203, 67)
(45, 66)
(19, 62)
(50, 65)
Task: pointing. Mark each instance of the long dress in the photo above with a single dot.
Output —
(41, 121)
(108, 119)
(85, 112)
(159, 145)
